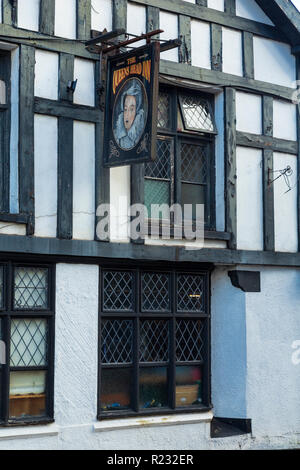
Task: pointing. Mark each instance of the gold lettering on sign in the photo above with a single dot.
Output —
(141, 68)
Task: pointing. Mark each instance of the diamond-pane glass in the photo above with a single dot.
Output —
(155, 292)
(161, 167)
(163, 118)
(197, 113)
(189, 340)
(156, 192)
(28, 346)
(1, 286)
(154, 341)
(194, 165)
(116, 341)
(117, 291)
(31, 288)
(190, 293)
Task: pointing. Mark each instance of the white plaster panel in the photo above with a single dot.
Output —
(7, 228)
(232, 52)
(249, 9)
(0, 11)
(249, 199)
(248, 113)
(29, 14)
(65, 18)
(286, 238)
(285, 120)
(200, 34)
(169, 23)
(273, 380)
(46, 74)
(273, 62)
(216, 4)
(76, 345)
(120, 201)
(14, 133)
(84, 72)
(220, 166)
(45, 175)
(102, 15)
(136, 21)
(190, 1)
(84, 181)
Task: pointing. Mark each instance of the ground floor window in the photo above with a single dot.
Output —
(154, 341)
(26, 335)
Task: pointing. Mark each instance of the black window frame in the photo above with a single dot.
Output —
(8, 313)
(203, 138)
(137, 315)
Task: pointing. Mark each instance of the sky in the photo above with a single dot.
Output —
(297, 3)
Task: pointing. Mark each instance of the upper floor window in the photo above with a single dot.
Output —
(183, 171)
(26, 334)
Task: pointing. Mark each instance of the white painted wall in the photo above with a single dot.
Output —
(190, 1)
(249, 9)
(216, 4)
(169, 23)
(0, 11)
(120, 202)
(14, 133)
(232, 52)
(200, 34)
(273, 381)
(249, 199)
(273, 62)
(12, 229)
(248, 113)
(29, 14)
(102, 15)
(65, 18)
(46, 74)
(285, 120)
(286, 238)
(84, 181)
(45, 175)
(136, 21)
(84, 72)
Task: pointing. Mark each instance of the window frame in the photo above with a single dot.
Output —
(191, 136)
(9, 313)
(137, 316)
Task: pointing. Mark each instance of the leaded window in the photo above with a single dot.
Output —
(183, 171)
(26, 334)
(155, 358)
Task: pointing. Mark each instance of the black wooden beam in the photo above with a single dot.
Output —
(9, 13)
(214, 77)
(230, 7)
(185, 37)
(93, 252)
(202, 3)
(152, 15)
(47, 17)
(268, 190)
(120, 14)
(84, 19)
(248, 55)
(246, 139)
(298, 161)
(67, 110)
(66, 74)
(216, 47)
(137, 189)
(230, 165)
(26, 131)
(65, 178)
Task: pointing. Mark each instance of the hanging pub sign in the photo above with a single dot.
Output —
(131, 107)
